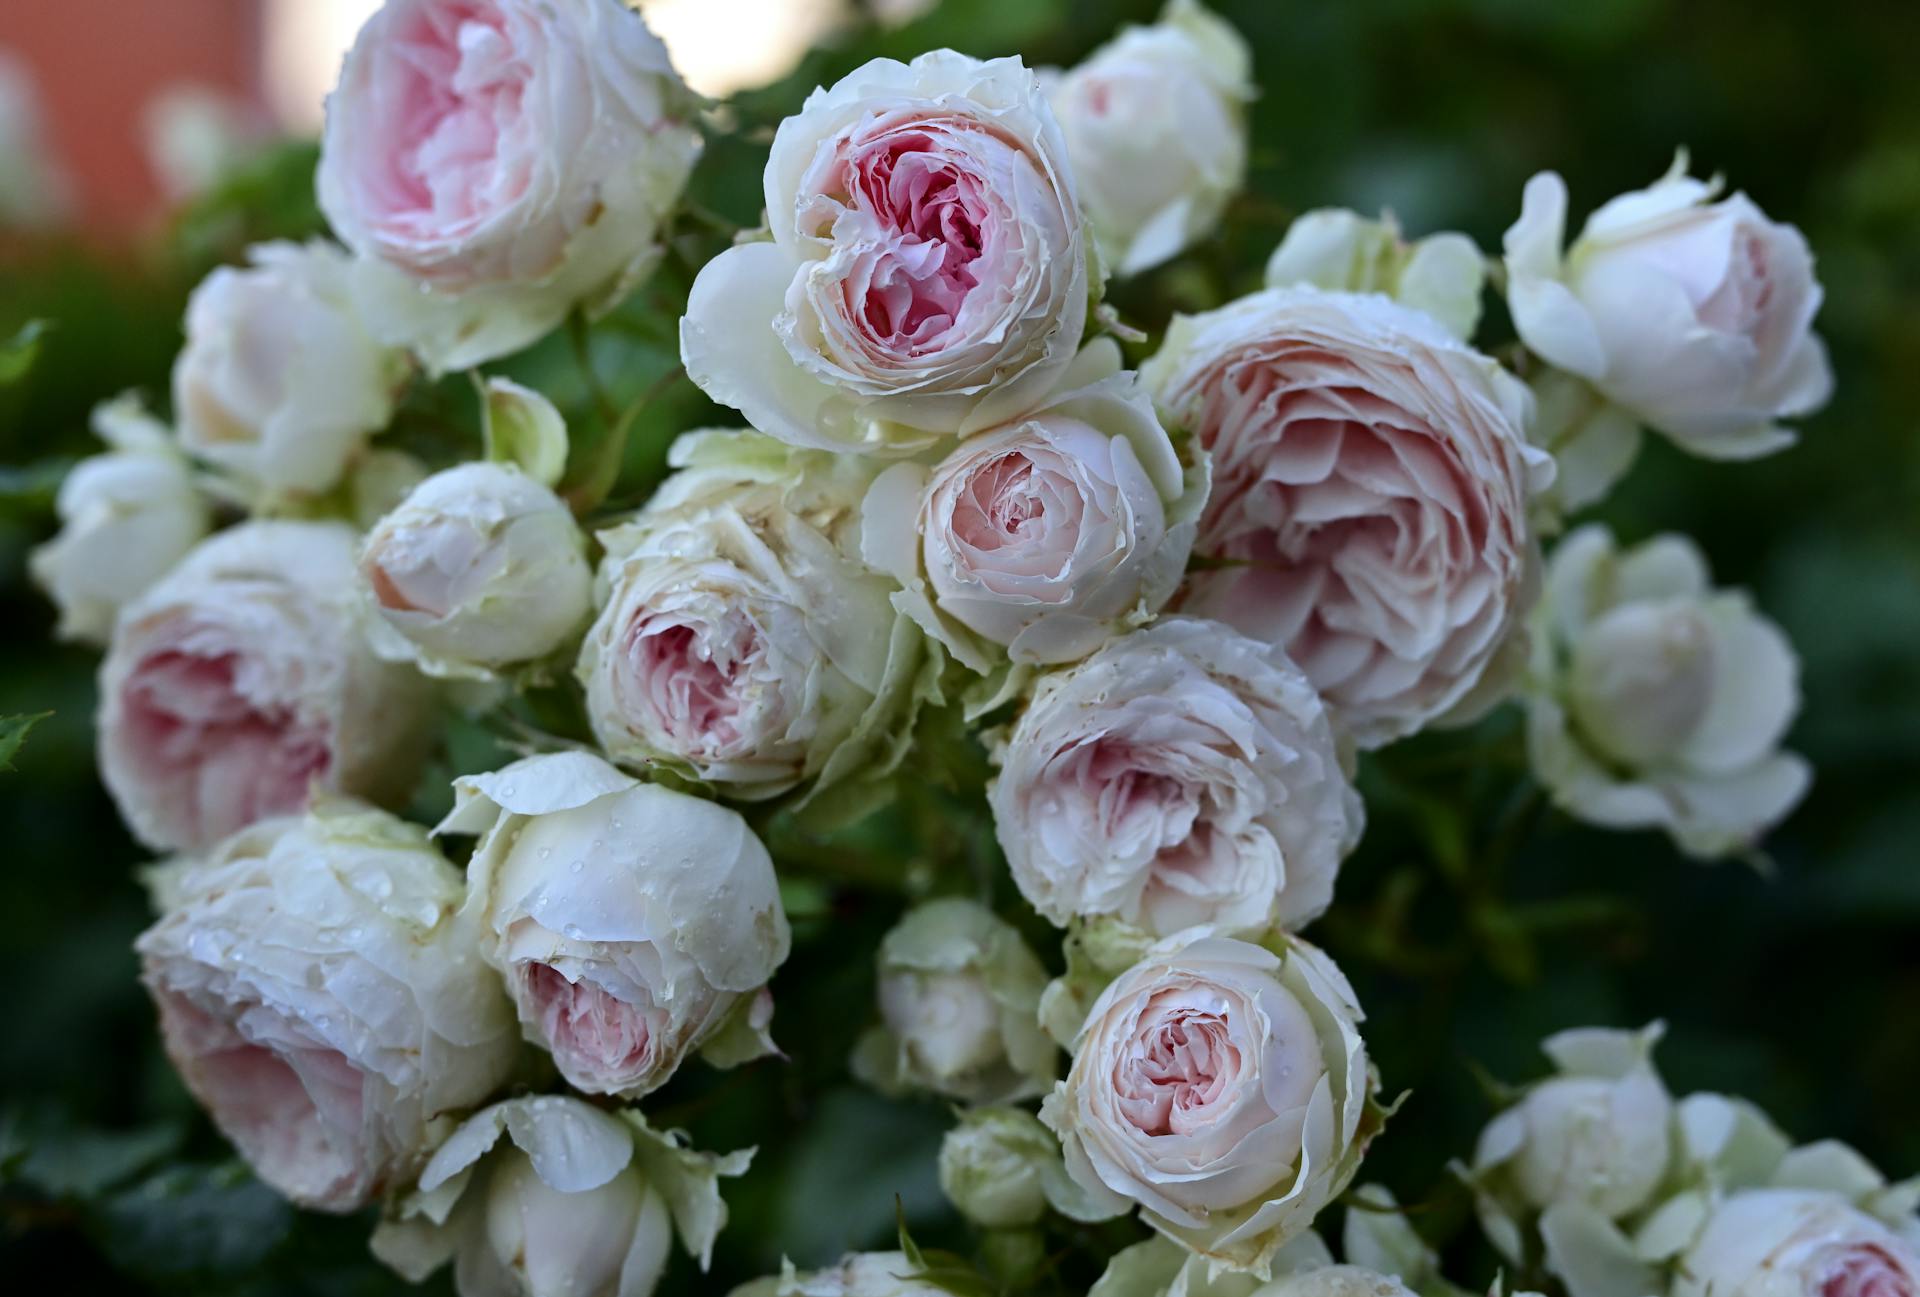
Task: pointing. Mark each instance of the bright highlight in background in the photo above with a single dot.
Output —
(719, 46)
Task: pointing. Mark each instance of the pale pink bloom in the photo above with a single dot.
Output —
(927, 272)
(504, 160)
(241, 682)
(325, 1083)
(1370, 489)
(1800, 1243)
(1182, 775)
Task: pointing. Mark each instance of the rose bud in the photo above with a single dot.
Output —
(125, 517)
(1694, 315)
(576, 1202)
(858, 1274)
(1596, 1136)
(1225, 1090)
(927, 273)
(1155, 124)
(1182, 775)
(1002, 1169)
(280, 383)
(1034, 541)
(633, 924)
(321, 998)
(479, 570)
(1332, 248)
(1370, 488)
(740, 641)
(959, 991)
(1656, 701)
(497, 163)
(1798, 1243)
(242, 681)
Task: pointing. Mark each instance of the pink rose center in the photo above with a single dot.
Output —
(687, 684)
(1139, 811)
(1363, 534)
(1866, 1270)
(588, 1025)
(1185, 1059)
(216, 756)
(454, 86)
(933, 224)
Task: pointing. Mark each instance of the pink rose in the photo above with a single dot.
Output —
(503, 160)
(1182, 775)
(1800, 1243)
(321, 999)
(1035, 540)
(927, 274)
(241, 682)
(1371, 478)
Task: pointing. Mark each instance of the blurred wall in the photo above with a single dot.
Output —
(97, 64)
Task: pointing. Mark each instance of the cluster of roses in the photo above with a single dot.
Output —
(948, 497)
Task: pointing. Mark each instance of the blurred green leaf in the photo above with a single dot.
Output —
(195, 1221)
(17, 353)
(13, 733)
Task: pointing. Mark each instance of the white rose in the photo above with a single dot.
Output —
(1159, 1267)
(1002, 1169)
(633, 923)
(1798, 1243)
(740, 640)
(1182, 775)
(323, 1001)
(958, 992)
(1370, 487)
(1223, 1088)
(858, 1274)
(125, 518)
(1033, 541)
(280, 383)
(480, 569)
(578, 1202)
(1155, 123)
(1655, 701)
(496, 164)
(1598, 1135)
(927, 273)
(1694, 315)
(242, 681)
(1332, 248)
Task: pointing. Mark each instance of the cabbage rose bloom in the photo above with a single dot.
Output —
(1155, 123)
(1223, 1088)
(740, 640)
(1695, 315)
(481, 568)
(959, 991)
(633, 924)
(1182, 775)
(125, 517)
(280, 382)
(498, 162)
(1333, 248)
(1656, 701)
(242, 681)
(1370, 486)
(1798, 1243)
(1034, 541)
(927, 273)
(575, 1201)
(320, 997)
(1596, 1137)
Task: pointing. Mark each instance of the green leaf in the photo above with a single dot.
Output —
(64, 1161)
(17, 353)
(195, 1220)
(13, 732)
